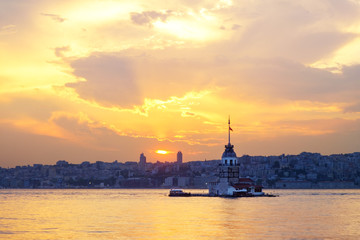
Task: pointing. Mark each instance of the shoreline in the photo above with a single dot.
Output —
(75, 188)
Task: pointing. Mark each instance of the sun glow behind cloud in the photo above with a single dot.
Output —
(197, 27)
(108, 74)
(99, 12)
(346, 55)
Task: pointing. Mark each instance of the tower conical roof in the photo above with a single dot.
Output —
(229, 151)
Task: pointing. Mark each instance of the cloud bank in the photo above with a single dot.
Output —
(121, 78)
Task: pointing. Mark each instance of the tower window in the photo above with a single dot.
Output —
(225, 162)
(231, 162)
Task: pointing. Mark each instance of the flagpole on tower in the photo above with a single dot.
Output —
(229, 129)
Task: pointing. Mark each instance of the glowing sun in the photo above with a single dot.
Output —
(161, 152)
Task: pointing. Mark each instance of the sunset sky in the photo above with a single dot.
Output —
(107, 80)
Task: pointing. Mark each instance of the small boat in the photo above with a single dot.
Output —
(178, 193)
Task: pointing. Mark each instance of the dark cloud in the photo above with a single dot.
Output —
(274, 79)
(109, 80)
(147, 17)
(293, 30)
(353, 108)
(353, 73)
(54, 17)
(124, 81)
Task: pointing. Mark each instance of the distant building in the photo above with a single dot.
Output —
(62, 163)
(179, 157)
(170, 182)
(183, 181)
(142, 162)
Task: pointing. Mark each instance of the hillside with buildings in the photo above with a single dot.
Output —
(306, 170)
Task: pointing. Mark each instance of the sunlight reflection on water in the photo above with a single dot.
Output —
(150, 214)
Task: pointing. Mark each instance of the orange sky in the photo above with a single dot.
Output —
(106, 80)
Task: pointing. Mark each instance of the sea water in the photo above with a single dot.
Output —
(151, 214)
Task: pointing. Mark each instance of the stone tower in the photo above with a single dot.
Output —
(229, 167)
